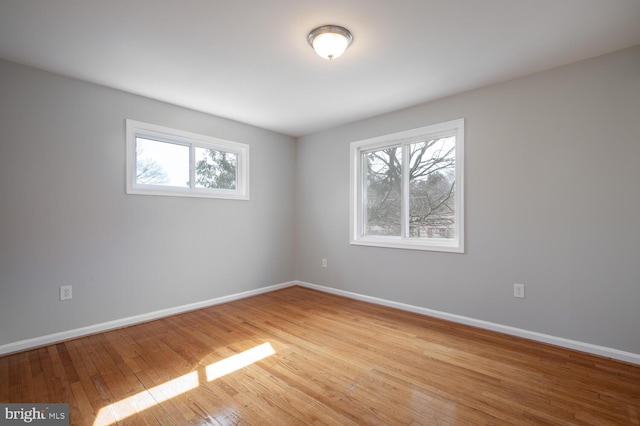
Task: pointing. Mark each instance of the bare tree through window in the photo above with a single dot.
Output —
(148, 171)
(431, 189)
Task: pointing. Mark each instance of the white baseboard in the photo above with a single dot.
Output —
(531, 335)
(22, 345)
(125, 322)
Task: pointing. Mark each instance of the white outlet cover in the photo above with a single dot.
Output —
(518, 291)
(66, 292)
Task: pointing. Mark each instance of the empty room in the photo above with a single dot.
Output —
(285, 212)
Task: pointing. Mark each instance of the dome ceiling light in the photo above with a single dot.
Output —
(330, 41)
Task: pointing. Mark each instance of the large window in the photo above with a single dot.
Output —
(163, 161)
(407, 189)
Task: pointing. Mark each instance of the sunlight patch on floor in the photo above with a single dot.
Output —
(236, 362)
(145, 399)
(141, 401)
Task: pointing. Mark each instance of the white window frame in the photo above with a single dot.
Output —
(357, 195)
(135, 129)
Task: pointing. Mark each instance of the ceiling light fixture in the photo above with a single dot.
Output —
(330, 41)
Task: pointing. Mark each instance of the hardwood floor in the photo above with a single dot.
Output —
(304, 357)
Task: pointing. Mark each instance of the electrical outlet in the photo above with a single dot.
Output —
(324, 263)
(66, 292)
(518, 291)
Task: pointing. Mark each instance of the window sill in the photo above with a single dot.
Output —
(405, 244)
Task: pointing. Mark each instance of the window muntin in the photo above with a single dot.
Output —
(163, 161)
(407, 189)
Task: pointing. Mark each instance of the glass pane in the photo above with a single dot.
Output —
(162, 163)
(216, 169)
(383, 191)
(432, 184)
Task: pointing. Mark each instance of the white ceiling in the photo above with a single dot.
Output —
(249, 60)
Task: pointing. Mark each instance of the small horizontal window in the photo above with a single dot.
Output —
(163, 161)
(407, 189)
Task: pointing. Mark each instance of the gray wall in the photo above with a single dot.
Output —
(65, 217)
(552, 201)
